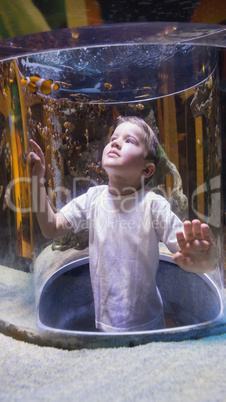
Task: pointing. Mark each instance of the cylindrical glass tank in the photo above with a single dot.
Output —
(65, 89)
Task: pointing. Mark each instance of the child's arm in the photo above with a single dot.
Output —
(198, 253)
(51, 224)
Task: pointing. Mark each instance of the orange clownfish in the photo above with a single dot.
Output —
(139, 106)
(36, 83)
(107, 85)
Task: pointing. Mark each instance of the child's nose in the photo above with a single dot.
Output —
(116, 144)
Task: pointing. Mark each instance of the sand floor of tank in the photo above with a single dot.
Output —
(163, 371)
(173, 371)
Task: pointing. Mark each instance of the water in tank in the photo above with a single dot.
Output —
(66, 89)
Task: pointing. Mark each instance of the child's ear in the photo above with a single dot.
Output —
(149, 170)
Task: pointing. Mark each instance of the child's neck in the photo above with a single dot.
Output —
(120, 187)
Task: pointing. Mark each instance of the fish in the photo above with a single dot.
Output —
(86, 135)
(96, 167)
(75, 35)
(142, 96)
(37, 84)
(107, 85)
(139, 106)
(68, 125)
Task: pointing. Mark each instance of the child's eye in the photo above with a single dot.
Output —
(130, 141)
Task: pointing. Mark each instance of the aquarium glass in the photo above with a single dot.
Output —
(66, 89)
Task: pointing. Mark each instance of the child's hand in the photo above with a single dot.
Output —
(36, 160)
(198, 253)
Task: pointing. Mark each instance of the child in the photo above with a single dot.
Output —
(125, 224)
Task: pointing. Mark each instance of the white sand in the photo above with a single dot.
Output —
(183, 371)
(173, 371)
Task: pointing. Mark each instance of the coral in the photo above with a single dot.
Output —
(178, 200)
(71, 240)
(206, 104)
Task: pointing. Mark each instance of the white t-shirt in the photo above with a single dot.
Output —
(124, 233)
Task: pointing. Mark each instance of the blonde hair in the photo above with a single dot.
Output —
(147, 134)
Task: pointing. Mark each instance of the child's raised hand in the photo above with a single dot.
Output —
(198, 253)
(36, 160)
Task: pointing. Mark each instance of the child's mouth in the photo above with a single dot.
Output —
(113, 153)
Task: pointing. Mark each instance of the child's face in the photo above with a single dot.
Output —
(125, 154)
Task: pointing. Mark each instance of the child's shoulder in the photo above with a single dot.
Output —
(155, 197)
(95, 190)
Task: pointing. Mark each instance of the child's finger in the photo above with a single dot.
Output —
(196, 228)
(30, 158)
(188, 232)
(206, 232)
(33, 157)
(181, 240)
(34, 144)
(37, 149)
